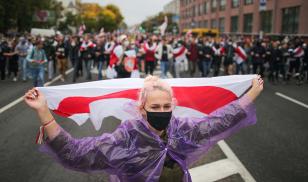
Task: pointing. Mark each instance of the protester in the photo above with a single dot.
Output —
(165, 145)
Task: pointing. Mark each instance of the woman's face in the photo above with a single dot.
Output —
(158, 101)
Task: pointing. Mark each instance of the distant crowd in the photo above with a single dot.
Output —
(112, 55)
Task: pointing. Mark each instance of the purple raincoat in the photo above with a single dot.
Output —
(134, 153)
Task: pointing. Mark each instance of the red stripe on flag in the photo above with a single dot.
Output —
(181, 51)
(240, 52)
(205, 99)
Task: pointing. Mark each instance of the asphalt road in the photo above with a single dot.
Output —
(274, 150)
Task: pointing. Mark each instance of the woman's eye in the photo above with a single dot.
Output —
(167, 107)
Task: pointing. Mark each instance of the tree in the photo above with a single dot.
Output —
(18, 14)
(95, 16)
(118, 16)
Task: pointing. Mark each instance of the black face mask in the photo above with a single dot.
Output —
(159, 120)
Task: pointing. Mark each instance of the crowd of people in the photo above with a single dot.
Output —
(114, 55)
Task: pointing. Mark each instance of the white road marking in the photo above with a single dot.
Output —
(292, 100)
(240, 167)
(20, 99)
(213, 171)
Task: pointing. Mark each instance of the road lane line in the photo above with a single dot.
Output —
(213, 171)
(241, 168)
(20, 99)
(292, 100)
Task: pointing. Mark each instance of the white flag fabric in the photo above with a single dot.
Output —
(196, 97)
(163, 26)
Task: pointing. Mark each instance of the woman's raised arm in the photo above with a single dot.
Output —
(36, 100)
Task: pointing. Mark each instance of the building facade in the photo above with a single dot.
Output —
(273, 17)
(172, 7)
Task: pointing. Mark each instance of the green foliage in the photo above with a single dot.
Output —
(18, 14)
(119, 18)
(95, 17)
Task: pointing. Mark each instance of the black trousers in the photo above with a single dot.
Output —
(2, 68)
(258, 68)
(149, 67)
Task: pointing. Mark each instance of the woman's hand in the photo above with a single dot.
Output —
(256, 89)
(36, 100)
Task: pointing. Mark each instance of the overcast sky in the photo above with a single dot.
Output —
(135, 11)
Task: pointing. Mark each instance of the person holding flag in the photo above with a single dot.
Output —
(116, 66)
(180, 58)
(155, 145)
(149, 48)
(240, 57)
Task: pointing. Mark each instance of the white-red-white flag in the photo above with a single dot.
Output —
(298, 52)
(196, 97)
(82, 28)
(163, 26)
(179, 53)
(240, 55)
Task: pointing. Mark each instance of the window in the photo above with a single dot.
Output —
(205, 24)
(290, 20)
(234, 24)
(248, 18)
(221, 25)
(266, 21)
(235, 3)
(208, 6)
(222, 5)
(193, 11)
(247, 2)
(201, 9)
(213, 5)
(213, 23)
(197, 10)
(205, 8)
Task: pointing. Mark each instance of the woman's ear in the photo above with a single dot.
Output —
(142, 110)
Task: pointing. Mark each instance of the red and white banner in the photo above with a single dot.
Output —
(298, 52)
(82, 28)
(85, 45)
(240, 55)
(109, 46)
(179, 54)
(115, 55)
(147, 48)
(196, 97)
(163, 26)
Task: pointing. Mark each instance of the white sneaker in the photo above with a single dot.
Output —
(14, 79)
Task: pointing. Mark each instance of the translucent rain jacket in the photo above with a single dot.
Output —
(133, 153)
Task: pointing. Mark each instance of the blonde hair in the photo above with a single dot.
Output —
(152, 83)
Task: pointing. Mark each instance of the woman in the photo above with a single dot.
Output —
(158, 147)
